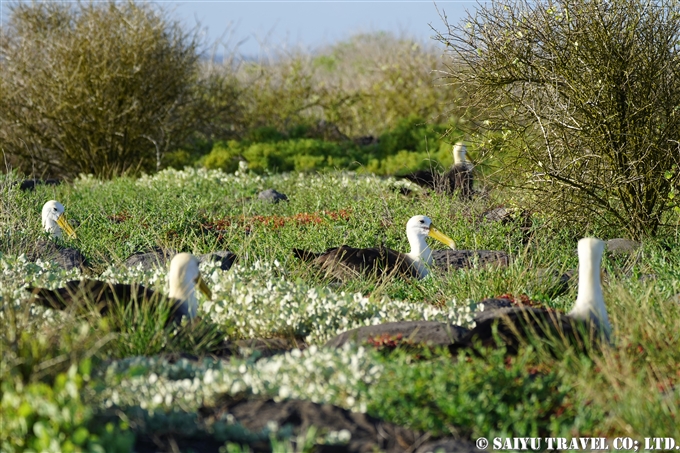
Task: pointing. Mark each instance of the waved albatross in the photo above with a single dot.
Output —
(585, 323)
(345, 262)
(54, 220)
(86, 294)
(459, 177)
(54, 223)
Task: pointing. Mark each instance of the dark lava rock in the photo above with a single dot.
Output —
(431, 333)
(489, 308)
(621, 246)
(252, 419)
(224, 257)
(271, 196)
(463, 259)
(426, 178)
(157, 257)
(366, 140)
(494, 303)
(499, 214)
(66, 257)
(555, 283)
(521, 218)
(263, 347)
(30, 184)
(367, 434)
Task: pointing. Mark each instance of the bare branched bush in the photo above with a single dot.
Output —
(363, 85)
(588, 93)
(102, 88)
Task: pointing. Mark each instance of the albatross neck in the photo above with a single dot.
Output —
(51, 227)
(185, 293)
(420, 251)
(459, 157)
(590, 301)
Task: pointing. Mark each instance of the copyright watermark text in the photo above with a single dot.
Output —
(577, 443)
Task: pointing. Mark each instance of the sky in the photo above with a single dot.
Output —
(310, 24)
(254, 26)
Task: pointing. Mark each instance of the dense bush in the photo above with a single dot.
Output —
(586, 92)
(102, 88)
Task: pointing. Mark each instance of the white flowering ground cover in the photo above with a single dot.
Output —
(268, 294)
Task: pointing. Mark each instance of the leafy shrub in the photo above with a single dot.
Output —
(44, 418)
(301, 154)
(412, 133)
(411, 145)
(225, 155)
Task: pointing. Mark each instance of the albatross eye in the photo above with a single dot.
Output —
(422, 221)
(55, 209)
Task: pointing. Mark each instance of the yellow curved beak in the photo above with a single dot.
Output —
(203, 287)
(65, 226)
(441, 237)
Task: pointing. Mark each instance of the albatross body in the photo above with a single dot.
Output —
(83, 295)
(346, 262)
(586, 322)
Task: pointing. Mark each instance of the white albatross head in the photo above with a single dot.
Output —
(417, 229)
(590, 301)
(54, 220)
(183, 279)
(459, 151)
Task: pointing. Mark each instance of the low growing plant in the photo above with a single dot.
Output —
(475, 397)
(54, 418)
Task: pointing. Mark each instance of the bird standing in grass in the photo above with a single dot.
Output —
(104, 297)
(346, 262)
(586, 323)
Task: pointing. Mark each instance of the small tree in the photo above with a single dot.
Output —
(589, 90)
(101, 88)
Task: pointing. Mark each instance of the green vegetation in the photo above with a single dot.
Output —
(578, 150)
(587, 94)
(411, 145)
(630, 389)
(460, 401)
(39, 417)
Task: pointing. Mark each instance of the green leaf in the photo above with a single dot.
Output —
(80, 436)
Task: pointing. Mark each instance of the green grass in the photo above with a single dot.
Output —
(629, 389)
